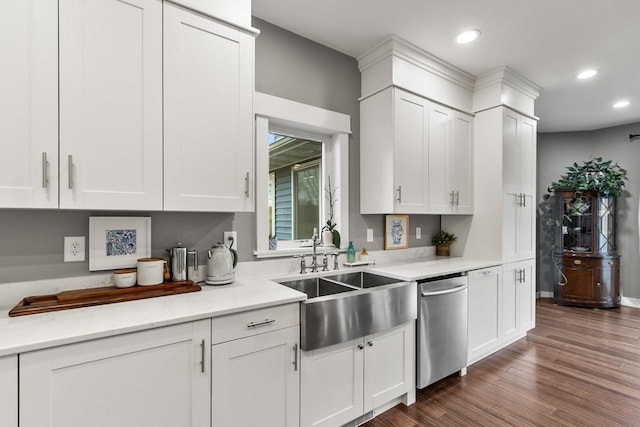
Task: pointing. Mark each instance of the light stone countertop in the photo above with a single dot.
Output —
(38, 331)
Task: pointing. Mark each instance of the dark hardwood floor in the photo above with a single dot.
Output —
(578, 367)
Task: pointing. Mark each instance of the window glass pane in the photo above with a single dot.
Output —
(306, 199)
(295, 184)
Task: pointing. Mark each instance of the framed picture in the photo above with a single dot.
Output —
(118, 241)
(396, 232)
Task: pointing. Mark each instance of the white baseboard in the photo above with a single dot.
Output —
(630, 302)
(544, 294)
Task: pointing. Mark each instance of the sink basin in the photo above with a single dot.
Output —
(362, 279)
(317, 287)
(346, 306)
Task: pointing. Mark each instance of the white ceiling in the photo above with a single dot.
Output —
(547, 41)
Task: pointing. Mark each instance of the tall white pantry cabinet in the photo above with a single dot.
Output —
(127, 105)
(503, 226)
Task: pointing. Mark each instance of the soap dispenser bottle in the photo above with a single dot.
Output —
(351, 253)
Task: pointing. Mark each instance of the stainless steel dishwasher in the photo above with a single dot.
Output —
(442, 328)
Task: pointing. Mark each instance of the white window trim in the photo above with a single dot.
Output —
(274, 112)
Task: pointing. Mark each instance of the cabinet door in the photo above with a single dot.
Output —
(511, 276)
(208, 114)
(29, 104)
(331, 392)
(260, 371)
(411, 153)
(441, 194)
(154, 378)
(485, 316)
(527, 296)
(111, 104)
(9, 390)
(389, 366)
(527, 155)
(461, 163)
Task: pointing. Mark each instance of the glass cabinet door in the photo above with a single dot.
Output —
(577, 224)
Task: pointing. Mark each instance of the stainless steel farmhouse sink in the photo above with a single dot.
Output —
(347, 306)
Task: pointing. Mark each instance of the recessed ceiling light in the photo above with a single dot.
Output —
(467, 36)
(621, 104)
(587, 74)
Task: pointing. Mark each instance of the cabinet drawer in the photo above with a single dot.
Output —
(248, 323)
(485, 272)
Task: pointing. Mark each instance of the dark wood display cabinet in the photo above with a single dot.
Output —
(586, 250)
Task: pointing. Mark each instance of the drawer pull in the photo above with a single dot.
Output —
(577, 262)
(262, 323)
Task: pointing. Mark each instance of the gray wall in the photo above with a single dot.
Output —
(288, 66)
(558, 150)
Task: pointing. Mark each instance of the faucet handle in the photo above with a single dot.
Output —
(303, 263)
(335, 258)
(325, 262)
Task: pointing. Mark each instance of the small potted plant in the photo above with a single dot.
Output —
(442, 241)
(330, 236)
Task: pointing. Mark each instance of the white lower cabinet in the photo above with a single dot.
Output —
(9, 391)
(159, 377)
(501, 307)
(255, 380)
(518, 308)
(256, 370)
(485, 317)
(340, 383)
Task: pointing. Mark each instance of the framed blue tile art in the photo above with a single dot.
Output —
(118, 242)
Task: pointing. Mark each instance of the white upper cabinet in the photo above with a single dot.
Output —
(208, 114)
(461, 163)
(415, 156)
(29, 104)
(450, 161)
(394, 153)
(111, 104)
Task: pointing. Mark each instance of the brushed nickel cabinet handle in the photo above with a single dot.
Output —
(360, 346)
(202, 344)
(524, 200)
(45, 170)
(457, 198)
(70, 165)
(295, 357)
(451, 195)
(262, 323)
(246, 185)
(370, 343)
(399, 194)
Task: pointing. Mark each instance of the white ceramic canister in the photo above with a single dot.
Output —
(124, 278)
(150, 271)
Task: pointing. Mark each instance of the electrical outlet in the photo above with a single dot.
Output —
(230, 236)
(74, 249)
(369, 234)
(418, 233)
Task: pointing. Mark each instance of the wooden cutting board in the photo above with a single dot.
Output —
(98, 296)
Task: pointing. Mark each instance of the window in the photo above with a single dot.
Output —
(297, 147)
(295, 187)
